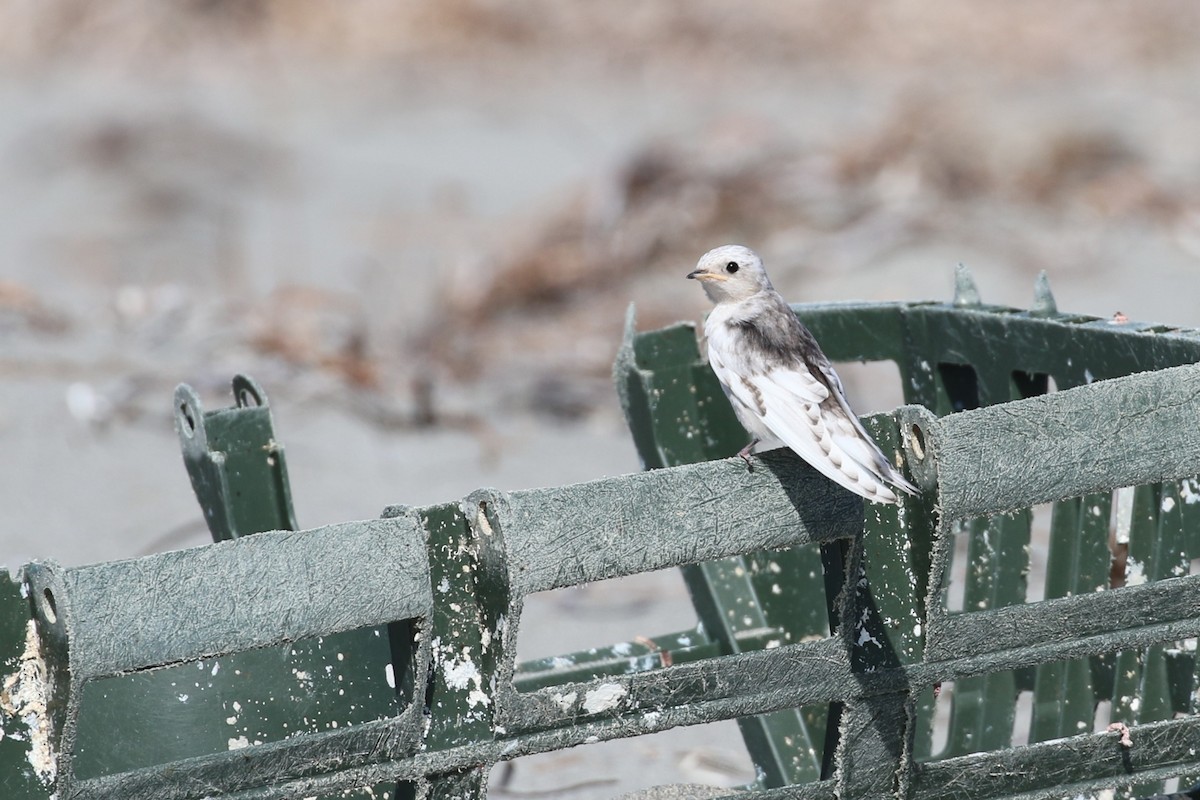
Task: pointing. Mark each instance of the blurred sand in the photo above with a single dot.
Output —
(418, 226)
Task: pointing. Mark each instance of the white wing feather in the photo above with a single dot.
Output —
(827, 441)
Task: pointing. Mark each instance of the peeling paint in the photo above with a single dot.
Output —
(25, 696)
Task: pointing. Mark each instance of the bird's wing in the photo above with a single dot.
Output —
(745, 392)
(858, 442)
(822, 431)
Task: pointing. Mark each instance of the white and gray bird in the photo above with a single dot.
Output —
(780, 383)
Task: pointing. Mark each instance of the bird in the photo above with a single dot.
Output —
(779, 382)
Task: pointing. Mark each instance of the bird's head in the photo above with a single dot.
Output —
(731, 273)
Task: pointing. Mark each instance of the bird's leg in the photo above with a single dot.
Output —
(745, 453)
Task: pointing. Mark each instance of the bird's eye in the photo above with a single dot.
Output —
(731, 267)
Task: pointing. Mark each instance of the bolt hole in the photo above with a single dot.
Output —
(187, 419)
(49, 608)
(916, 440)
(485, 526)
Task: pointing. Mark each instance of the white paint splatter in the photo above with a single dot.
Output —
(460, 673)
(1168, 503)
(864, 637)
(238, 743)
(603, 697)
(389, 672)
(1135, 573)
(565, 701)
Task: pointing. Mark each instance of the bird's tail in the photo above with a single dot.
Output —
(897, 480)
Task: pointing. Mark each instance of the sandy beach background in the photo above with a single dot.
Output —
(418, 226)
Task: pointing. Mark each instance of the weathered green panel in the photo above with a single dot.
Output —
(221, 704)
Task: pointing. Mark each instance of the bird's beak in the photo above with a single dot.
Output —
(705, 275)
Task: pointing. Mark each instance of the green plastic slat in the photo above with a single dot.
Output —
(893, 574)
(458, 706)
(884, 626)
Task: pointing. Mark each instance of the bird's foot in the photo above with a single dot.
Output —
(744, 454)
